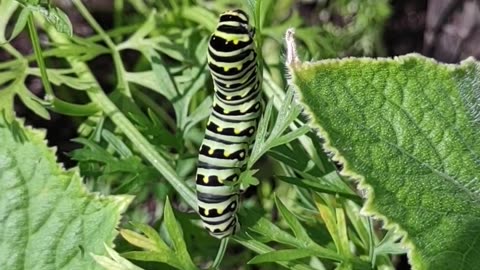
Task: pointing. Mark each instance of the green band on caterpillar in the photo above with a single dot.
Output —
(231, 128)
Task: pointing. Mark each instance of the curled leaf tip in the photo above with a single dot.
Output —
(292, 57)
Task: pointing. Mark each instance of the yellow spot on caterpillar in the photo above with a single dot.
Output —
(227, 85)
(220, 180)
(235, 41)
(244, 94)
(205, 180)
(251, 131)
(235, 178)
(239, 67)
(229, 97)
(226, 111)
(219, 129)
(257, 106)
(226, 154)
(210, 152)
(242, 154)
(219, 211)
(205, 212)
(226, 69)
(237, 131)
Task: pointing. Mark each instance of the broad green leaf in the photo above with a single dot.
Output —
(408, 130)
(48, 220)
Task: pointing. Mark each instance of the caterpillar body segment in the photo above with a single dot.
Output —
(231, 128)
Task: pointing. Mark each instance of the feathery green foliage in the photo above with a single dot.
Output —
(141, 123)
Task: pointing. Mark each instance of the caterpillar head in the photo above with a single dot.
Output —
(236, 15)
(237, 18)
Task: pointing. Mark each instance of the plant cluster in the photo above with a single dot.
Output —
(140, 125)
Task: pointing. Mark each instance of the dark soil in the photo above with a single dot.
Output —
(447, 30)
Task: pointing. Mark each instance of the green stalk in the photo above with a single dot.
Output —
(220, 253)
(38, 55)
(118, 6)
(67, 108)
(11, 50)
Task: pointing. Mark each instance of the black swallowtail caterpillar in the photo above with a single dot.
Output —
(230, 132)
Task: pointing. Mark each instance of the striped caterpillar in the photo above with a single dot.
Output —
(231, 128)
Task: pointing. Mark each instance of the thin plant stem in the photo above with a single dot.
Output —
(220, 253)
(38, 55)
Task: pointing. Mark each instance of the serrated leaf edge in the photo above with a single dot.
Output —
(38, 136)
(368, 208)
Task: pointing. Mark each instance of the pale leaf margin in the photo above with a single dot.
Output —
(367, 190)
(38, 136)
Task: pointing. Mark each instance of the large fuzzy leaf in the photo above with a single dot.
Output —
(408, 129)
(48, 220)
